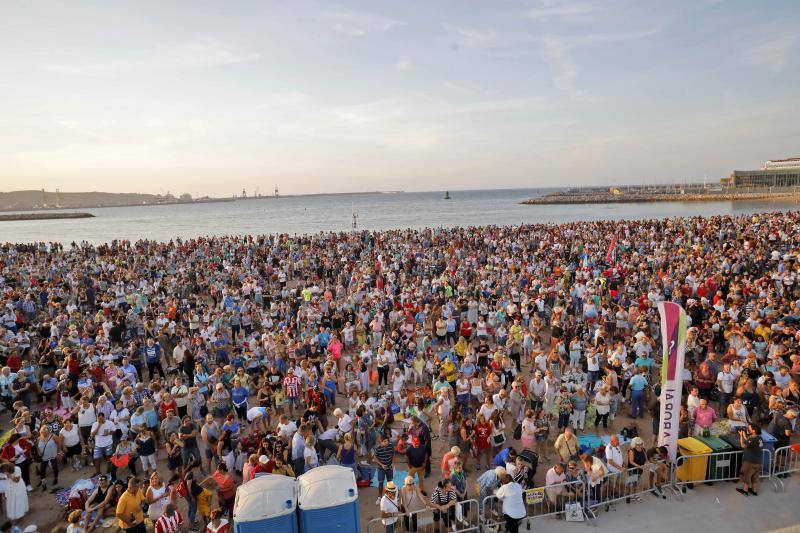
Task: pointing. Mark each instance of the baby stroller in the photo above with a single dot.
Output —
(531, 460)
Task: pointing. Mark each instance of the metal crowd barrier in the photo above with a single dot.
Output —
(540, 502)
(492, 513)
(551, 501)
(422, 520)
(627, 485)
(721, 466)
(785, 461)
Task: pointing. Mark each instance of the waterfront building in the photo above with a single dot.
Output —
(775, 173)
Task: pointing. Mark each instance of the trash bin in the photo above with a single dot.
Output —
(719, 466)
(692, 468)
(736, 458)
(769, 444)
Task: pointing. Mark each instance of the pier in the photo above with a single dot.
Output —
(668, 193)
(43, 216)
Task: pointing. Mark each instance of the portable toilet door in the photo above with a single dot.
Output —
(327, 500)
(266, 503)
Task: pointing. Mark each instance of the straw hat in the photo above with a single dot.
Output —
(391, 487)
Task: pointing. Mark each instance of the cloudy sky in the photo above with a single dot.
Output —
(209, 97)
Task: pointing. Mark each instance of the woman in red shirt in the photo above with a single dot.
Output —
(168, 403)
(483, 431)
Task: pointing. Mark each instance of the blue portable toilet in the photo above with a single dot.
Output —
(327, 500)
(266, 503)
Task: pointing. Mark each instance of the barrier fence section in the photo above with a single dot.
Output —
(785, 461)
(552, 501)
(464, 516)
(540, 502)
(628, 485)
(492, 513)
(721, 466)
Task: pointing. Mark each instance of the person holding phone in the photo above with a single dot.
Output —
(103, 435)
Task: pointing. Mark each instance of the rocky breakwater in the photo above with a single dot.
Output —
(611, 198)
(43, 216)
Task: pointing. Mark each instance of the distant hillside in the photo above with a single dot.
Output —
(25, 200)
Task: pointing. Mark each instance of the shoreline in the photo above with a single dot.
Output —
(610, 198)
(43, 216)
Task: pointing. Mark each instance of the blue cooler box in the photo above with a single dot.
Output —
(769, 444)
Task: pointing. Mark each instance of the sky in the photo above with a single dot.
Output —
(210, 97)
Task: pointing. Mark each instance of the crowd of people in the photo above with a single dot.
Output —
(203, 363)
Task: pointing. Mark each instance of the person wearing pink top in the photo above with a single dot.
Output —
(704, 417)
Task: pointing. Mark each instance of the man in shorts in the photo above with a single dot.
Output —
(103, 435)
(752, 446)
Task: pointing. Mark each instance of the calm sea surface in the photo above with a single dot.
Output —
(311, 214)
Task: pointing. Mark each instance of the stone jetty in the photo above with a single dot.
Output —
(43, 216)
(609, 197)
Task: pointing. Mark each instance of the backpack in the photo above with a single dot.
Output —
(630, 432)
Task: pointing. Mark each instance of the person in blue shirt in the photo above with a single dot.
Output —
(506, 455)
(222, 352)
(637, 385)
(152, 354)
(643, 360)
(468, 369)
(239, 398)
(48, 388)
(129, 370)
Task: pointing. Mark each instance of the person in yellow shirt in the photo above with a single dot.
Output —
(450, 372)
(129, 508)
(515, 331)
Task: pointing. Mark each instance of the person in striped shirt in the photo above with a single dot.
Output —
(169, 522)
(383, 456)
(291, 388)
(443, 503)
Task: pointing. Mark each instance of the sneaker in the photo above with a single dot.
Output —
(29, 488)
(378, 501)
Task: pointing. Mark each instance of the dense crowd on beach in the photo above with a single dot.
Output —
(171, 372)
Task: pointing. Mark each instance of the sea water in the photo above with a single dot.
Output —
(375, 211)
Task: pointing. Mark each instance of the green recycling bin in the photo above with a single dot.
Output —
(719, 466)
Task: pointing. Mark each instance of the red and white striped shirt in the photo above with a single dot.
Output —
(292, 386)
(169, 524)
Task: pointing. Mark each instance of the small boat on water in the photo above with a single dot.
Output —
(446, 195)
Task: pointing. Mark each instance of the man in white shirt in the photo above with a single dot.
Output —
(390, 507)
(298, 450)
(725, 381)
(510, 493)
(286, 427)
(103, 435)
(614, 457)
(536, 391)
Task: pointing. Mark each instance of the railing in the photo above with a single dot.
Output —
(629, 485)
(785, 461)
(492, 513)
(551, 501)
(465, 517)
(657, 479)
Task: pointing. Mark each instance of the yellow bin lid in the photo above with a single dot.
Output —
(692, 446)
